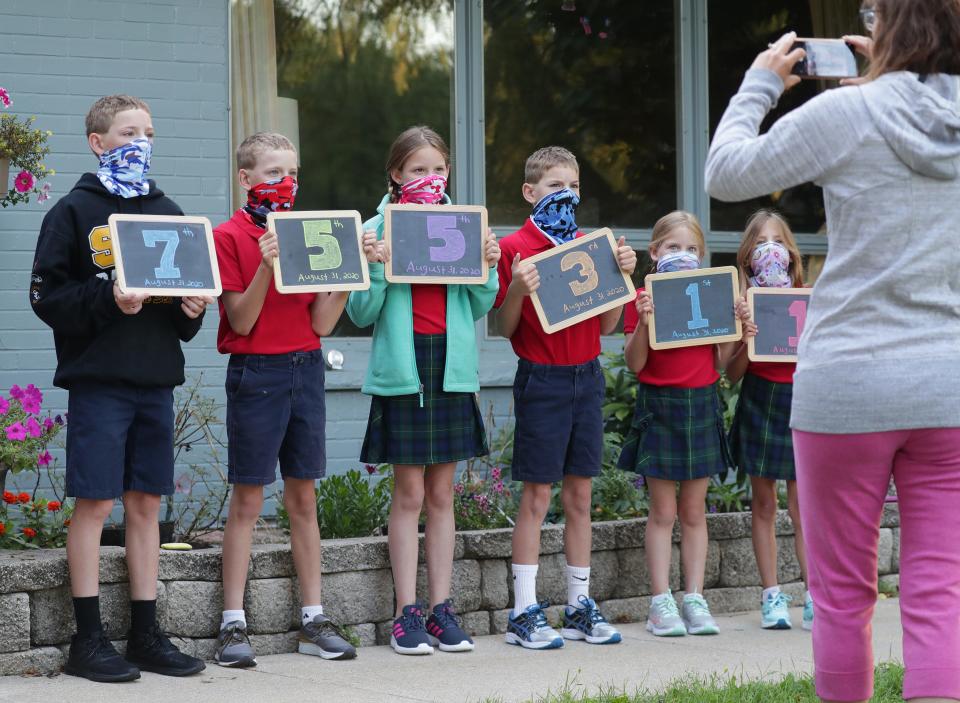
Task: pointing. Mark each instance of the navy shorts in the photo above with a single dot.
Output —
(559, 430)
(275, 410)
(119, 438)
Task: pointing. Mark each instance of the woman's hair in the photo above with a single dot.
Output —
(671, 221)
(922, 36)
(403, 146)
(755, 225)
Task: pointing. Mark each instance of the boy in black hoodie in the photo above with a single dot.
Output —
(119, 356)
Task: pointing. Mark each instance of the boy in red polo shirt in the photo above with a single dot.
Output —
(275, 398)
(558, 397)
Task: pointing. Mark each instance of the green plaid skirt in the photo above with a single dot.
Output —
(444, 427)
(760, 437)
(676, 434)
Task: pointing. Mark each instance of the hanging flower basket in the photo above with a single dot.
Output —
(23, 147)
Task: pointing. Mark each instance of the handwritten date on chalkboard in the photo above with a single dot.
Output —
(693, 307)
(780, 315)
(436, 243)
(579, 280)
(320, 251)
(163, 254)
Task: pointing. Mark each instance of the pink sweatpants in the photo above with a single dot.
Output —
(842, 482)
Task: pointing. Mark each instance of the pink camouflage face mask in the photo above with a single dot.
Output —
(427, 190)
(770, 264)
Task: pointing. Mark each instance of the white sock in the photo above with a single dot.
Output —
(807, 598)
(660, 597)
(308, 612)
(232, 616)
(524, 586)
(578, 584)
(769, 593)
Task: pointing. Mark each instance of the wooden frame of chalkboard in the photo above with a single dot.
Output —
(567, 261)
(796, 294)
(327, 273)
(479, 272)
(698, 329)
(166, 246)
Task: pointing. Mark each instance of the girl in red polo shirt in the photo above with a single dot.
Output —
(760, 438)
(676, 436)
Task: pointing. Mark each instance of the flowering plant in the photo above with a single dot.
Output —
(25, 146)
(42, 522)
(24, 432)
(482, 500)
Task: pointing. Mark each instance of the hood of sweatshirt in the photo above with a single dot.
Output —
(90, 183)
(919, 119)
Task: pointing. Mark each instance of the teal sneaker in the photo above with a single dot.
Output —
(697, 617)
(808, 614)
(774, 614)
(664, 618)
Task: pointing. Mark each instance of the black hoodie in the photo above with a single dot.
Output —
(71, 290)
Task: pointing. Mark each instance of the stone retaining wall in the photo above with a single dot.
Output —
(36, 616)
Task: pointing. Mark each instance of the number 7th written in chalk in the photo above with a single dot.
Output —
(171, 240)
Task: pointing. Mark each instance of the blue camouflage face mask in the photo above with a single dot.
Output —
(555, 215)
(122, 170)
(678, 261)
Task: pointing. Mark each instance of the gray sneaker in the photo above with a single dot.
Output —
(233, 646)
(321, 638)
(664, 618)
(697, 617)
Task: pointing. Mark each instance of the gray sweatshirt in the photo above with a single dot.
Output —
(881, 347)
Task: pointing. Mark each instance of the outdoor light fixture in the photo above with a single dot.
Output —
(334, 359)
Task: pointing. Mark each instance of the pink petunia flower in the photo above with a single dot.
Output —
(33, 427)
(44, 458)
(16, 432)
(31, 391)
(4, 405)
(30, 405)
(5, 98)
(48, 424)
(495, 473)
(24, 182)
(16, 392)
(44, 193)
(498, 487)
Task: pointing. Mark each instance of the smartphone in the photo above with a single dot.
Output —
(826, 58)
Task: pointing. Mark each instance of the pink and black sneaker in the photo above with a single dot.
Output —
(444, 630)
(409, 635)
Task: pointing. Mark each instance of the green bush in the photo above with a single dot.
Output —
(350, 504)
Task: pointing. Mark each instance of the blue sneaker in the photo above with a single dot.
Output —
(808, 614)
(587, 623)
(409, 634)
(774, 614)
(444, 630)
(530, 629)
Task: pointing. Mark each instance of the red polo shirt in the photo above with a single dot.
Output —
(680, 367)
(284, 322)
(574, 345)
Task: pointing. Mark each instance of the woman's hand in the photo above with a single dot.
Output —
(779, 59)
(863, 46)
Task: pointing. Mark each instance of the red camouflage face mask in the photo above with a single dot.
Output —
(270, 196)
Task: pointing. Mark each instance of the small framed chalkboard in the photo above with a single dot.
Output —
(436, 243)
(780, 315)
(162, 254)
(579, 280)
(320, 251)
(693, 307)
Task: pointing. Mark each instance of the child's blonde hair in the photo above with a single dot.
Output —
(403, 146)
(671, 221)
(254, 146)
(101, 113)
(542, 160)
(755, 225)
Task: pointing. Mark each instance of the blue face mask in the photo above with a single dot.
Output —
(555, 215)
(678, 261)
(122, 170)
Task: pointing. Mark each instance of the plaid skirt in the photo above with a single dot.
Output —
(444, 427)
(676, 434)
(760, 438)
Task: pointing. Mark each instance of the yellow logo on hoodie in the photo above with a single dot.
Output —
(101, 246)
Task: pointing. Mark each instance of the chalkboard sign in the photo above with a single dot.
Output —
(320, 251)
(436, 243)
(579, 280)
(693, 307)
(165, 255)
(780, 314)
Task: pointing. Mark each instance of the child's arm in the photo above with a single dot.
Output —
(637, 349)
(363, 306)
(325, 312)
(481, 297)
(732, 356)
(524, 280)
(627, 258)
(243, 309)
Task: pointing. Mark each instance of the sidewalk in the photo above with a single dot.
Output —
(495, 670)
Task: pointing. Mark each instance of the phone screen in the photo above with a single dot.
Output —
(826, 58)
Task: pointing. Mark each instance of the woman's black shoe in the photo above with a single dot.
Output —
(153, 651)
(94, 658)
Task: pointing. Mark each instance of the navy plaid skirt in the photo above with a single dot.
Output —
(444, 427)
(676, 434)
(760, 437)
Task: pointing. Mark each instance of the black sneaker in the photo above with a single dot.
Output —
(95, 658)
(321, 638)
(443, 627)
(153, 651)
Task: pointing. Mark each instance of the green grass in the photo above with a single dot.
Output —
(791, 688)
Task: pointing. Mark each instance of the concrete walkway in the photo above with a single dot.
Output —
(494, 671)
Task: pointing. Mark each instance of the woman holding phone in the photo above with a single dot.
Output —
(877, 388)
